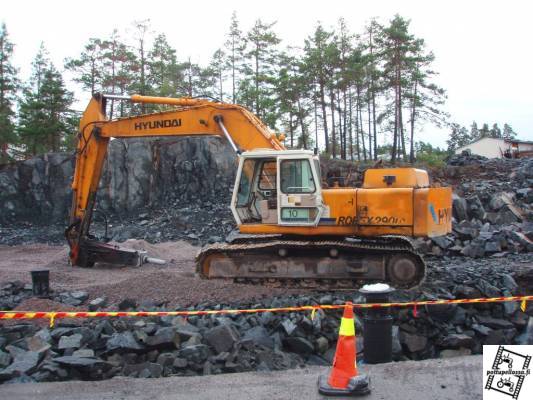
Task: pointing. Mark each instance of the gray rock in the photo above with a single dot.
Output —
(164, 338)
(70, 342)
(475, 207)
(396, 345)
(413, 342)
(143, 370)
(322, 344)
(97, 303)
(474, 249)
(222, 338)
(23, 364)
(166, 359)
(80, 295)
(527, 336)
(494, 323)
(83, 353)
(127, 304)
(299, 345)
(35, 343)
(456, 340)
(81, 362)
(123, 342)
(180, 363)
(5, 359)
(288, 326)
(459, 208)
(197, 353)
(449, 353)
(442, 241)
(481, 329)
(259, 336)
(488, 289)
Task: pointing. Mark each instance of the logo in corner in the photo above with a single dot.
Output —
(509, 370)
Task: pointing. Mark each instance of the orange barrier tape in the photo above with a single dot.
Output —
(53, 315)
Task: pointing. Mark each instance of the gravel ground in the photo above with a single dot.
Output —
(173, 284)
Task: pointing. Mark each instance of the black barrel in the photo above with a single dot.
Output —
(41, 283)
(377, 327)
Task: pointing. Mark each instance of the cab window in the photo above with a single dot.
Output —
(267, 178)
(297, 176)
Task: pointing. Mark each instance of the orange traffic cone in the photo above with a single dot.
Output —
(344, 379)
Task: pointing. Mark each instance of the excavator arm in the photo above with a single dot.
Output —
(189, 117)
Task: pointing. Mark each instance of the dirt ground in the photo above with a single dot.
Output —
(174, 283)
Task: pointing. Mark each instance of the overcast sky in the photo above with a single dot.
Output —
(483, 48)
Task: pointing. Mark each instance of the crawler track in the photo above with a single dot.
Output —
(328, 264)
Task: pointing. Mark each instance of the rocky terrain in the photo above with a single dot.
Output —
(488, 254)
(154, 347)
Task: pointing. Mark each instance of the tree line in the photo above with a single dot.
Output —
(356, 95)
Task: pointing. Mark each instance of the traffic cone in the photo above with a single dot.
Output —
(344, 378)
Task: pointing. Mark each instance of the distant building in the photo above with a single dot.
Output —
(498, 148)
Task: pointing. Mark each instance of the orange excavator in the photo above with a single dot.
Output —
(293, 232)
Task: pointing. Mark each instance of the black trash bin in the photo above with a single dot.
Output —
(377, 326)
(41, 283)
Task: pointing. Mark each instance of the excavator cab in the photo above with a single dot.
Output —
(278, 188)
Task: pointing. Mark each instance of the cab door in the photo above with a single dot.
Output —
(299, 191)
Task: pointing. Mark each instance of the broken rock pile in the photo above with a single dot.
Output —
(215, 344)
(492, 209)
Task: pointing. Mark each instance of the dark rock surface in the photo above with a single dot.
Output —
(138, 173)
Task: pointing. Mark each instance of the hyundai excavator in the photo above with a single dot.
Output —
(293, 232)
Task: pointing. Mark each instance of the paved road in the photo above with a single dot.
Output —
(454, 379)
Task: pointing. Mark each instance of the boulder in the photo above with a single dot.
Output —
(475, 207)
(459, 208)
(259, 336)
(70, 342)
(299, 345)
(456, 340)
(97, 303)
(5, 359)
(222, 338)
(81, 362)
(197, 353)
(413, 342)
(123, 342)
(166, 337)
(23, 364)
(495, 323)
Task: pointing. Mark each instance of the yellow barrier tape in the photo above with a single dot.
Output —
(52, 316)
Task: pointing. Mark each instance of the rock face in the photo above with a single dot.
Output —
(137, 173)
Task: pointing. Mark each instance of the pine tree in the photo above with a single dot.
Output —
(235, 46)
(496, 132)
(260, 69)
(45, 119)
(116, 63)
(398, 47)
(164, 74)
(142, 34)
(459, 136)
(218, 73)
(291, 90)
(88, 67)
(474, 132)
(425, 97)
(8, 89)
(484, 131)
(317, 49)
(508, 132)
